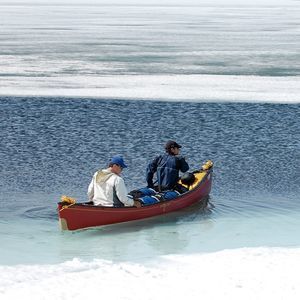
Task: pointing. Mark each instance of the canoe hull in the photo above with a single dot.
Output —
(79, 216)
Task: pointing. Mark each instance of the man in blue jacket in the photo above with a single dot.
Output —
(167, 167)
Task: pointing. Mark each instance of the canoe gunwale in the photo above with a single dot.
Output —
(115, 209)
(82, 215)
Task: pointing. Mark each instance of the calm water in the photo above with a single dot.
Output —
(52, 146)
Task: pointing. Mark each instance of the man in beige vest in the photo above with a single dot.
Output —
(107, 187)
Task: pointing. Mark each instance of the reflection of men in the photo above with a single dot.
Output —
(107, 187)
(167, 167)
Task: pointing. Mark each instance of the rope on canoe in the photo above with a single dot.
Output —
(67, 201)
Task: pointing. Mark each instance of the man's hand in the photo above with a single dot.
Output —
(137, 203)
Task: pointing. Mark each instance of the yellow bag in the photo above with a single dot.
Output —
(207, 165)
(67, 199)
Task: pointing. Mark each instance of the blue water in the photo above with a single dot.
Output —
(52, 146)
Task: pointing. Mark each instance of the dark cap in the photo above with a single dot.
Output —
(171, 144)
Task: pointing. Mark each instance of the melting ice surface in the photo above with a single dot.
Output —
(238, 273)
(246, 243)
(202, 53)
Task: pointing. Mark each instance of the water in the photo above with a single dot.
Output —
(79, 84)
(53, 146)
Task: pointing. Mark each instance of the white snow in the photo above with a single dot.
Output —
(160, 87)
(246, 273)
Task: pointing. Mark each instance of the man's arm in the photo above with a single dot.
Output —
(90, 192)
(183, 165)
(121, 192)
(151, 169)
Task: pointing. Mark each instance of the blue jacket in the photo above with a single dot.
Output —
(167, 169)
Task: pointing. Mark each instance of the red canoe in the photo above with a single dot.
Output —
(81, 215)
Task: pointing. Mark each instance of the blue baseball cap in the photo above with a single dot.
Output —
(118, 160)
